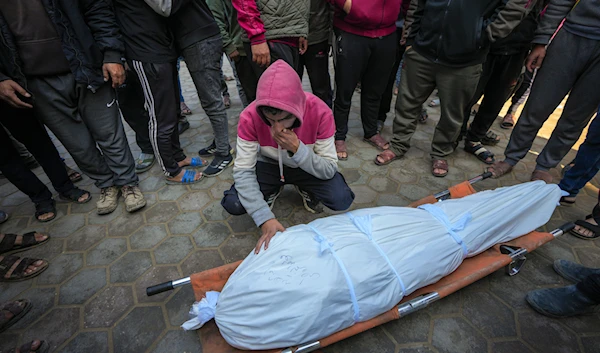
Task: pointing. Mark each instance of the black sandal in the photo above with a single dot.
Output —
(8, 246)
(74, 195)
(490, 139)
(477, 149)
(26, 348)
(43, 208)
(588, 226)
(16, 310)
(19, 273)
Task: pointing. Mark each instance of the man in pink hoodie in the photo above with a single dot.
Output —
(286, 136)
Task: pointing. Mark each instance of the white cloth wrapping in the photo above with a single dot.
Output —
(320, 278)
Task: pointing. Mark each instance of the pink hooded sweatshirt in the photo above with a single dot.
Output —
(280, 87)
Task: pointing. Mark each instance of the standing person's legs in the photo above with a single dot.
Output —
(238, 84)
(204, 62)
(159, 82)
(247, 76)
(586, 163)
(316, 60)
(580, 107)
(373, 81)
(501, 83)
(591, 287)
(100, 113)
(131, 103)
(455, 89)
(553, 81)
(489, 66)
(352, 56)
(57, 108)
(417, 82)
(386, 98)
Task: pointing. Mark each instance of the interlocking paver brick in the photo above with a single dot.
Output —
(453, 334)
(179, 341)
(46, 328)
(590, 344)
(171, 192)
(85, 238)
(546, 334)
(67, 225)
(162, 212)
(138, 330)
(130, 267)
(510, 347)
(193, 201)
(411, 329)
(63, 267)
(201, 260)
(372, 341)
(108, 307)
(125, 224)
(211, 235)
(42, 300)
(497, 321)
(148, 236)
(155, 276)
(185, 223)
(173, 250)
(82, 286)
(88, 342)
(106, 252)
(215, 212)
(178, 307)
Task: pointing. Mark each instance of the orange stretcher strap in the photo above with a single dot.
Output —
(461, 190)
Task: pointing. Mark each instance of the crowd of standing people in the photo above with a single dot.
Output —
(81, 68)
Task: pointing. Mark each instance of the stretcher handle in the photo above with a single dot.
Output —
(167, 286)
(565, 228)
(443, 195)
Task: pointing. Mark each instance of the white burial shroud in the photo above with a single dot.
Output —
(319, 278)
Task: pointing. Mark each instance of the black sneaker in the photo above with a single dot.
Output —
(211, 150)
(311, 204)
(218, 165)
(271, 199)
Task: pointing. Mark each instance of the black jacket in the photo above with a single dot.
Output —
(520, 38)
(459, 32)
(190, 20)
(90, 38)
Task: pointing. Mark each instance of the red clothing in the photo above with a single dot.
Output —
(250, 21)
(368, 18)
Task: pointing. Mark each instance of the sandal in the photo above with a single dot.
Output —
(19, 273)
(388, 157)
(340, 147)
(490, 139)
(74, 175)
(477, 149)
(439, 164)
(43, 208)
(423, 116)
(565, 202)
(27, 348)
(8, 246)
(541, 175)
(498, 169)
(185, 110)
(589, 226)
(75, 194)
(196, 163)
(17, 308)
(377, 141)
(189, 177)
(507, 122)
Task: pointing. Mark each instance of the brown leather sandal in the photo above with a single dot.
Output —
(17, 309)
(507, 122)
(378, 142)
(439, 164)
(500, 168)
(388, 157)
(340, 147)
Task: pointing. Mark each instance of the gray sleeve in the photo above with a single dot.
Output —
(321, 163)
(556, 11)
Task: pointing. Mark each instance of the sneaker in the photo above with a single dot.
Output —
(144, 162)
(183, 125)
(271, 199)
(311, 204)
(211, 150)
(572, 271)
(134, 199)
(561, 302)
(108, 202)
(218, 165)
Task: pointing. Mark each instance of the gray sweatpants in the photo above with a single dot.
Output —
(82, 120)
(203, 60)
(572, 63)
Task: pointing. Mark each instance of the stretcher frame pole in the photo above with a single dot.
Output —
(167, 286)
(404, 309)
(444, 195)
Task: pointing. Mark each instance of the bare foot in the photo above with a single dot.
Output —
(46, 216)
(179, 176)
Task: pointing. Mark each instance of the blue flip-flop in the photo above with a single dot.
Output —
(196, 163)
(188, 178)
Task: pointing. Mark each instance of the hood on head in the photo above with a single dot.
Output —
(280, 87)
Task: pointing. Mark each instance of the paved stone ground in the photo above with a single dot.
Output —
(92, 298)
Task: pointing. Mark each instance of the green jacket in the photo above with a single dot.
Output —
(231, 32)
(321, 19)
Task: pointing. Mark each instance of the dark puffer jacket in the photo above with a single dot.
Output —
(90, 38)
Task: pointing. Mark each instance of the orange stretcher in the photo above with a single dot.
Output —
(510, 255)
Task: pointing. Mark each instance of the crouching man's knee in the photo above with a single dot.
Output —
(231, 203)
(340, 196)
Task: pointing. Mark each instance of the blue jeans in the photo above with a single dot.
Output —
(587, 161)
